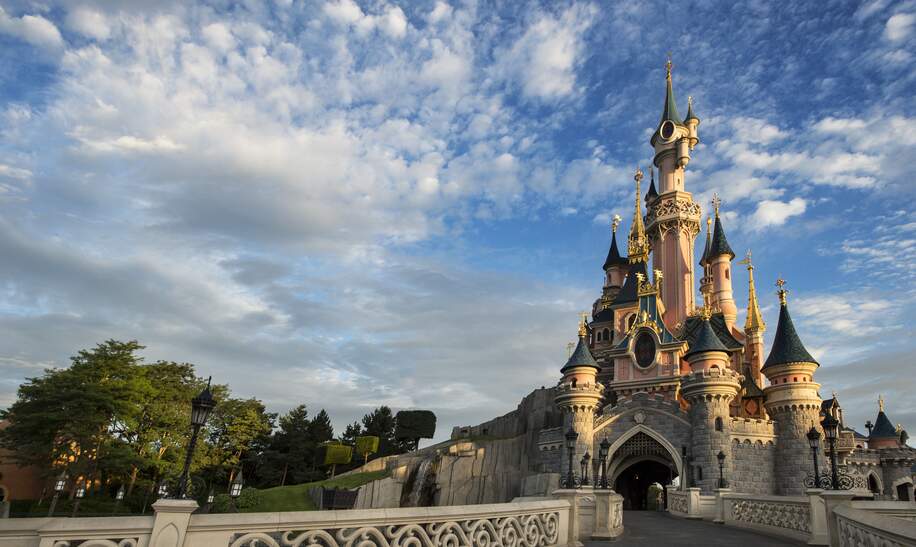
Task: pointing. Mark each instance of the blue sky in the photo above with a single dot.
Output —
(345, 204)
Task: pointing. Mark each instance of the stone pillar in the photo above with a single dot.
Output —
(171, 524)
(720, 505)
(581, 515)
(818, 517)
(832, 499)
(693, 503)
(608, 515)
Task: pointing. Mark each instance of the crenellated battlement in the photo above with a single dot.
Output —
(752, 429)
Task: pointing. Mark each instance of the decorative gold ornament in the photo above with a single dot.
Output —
(716, 202)
(781, 291)
(881, 403)
(583, 325)
(754, 321)
(638, 244)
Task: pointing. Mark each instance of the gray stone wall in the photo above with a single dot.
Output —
(708, 440)
(793, 453)
(752, 471)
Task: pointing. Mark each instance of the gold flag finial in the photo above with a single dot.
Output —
(583, 325)
(716, 202)
(615, 222)
(781, 290)
(747, 260)
(880, 403)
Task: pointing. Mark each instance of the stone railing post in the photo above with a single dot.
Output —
(608, 515)
(693, 503)
(818, 517)
(171, 524)
(832, 499)
(720, 505)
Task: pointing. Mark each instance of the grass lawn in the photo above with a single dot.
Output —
(295, 497)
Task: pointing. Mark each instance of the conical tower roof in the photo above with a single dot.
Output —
(719, 245)
(705, 257)
(706, 340)
(690, 114)
(613, 254)
(669, 112)
(581, 356)
(787, 346)
(883, 428)
(754, 322)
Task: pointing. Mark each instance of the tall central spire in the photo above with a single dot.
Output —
(670, 110)
(754, 321)
(638, 244)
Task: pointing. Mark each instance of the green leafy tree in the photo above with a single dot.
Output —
(237, 427)
(351, 432)
(381, 423)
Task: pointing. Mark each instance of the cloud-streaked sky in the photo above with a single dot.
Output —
(345, 204)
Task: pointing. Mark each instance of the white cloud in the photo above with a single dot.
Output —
(89, 22)
(899, 26)
(441, 11)
(544, 59)
(394, 22)
(34, 29)
(775, 213)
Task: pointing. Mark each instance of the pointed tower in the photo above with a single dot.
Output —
(720, 258)
(706, 280)
(578, 396)
(615, 266)
(615, 272)
(709, 388)
(883, 434)
(627, 300)
(673, 219)
(792, 400)
(754, 327)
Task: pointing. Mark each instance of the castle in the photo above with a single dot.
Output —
(676, 392)
(673, 385)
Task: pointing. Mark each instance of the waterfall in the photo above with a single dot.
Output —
(420, 480)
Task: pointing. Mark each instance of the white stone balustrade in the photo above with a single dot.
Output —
(526, 524)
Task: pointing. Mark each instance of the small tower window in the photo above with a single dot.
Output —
(727, 274)
(699, 473)
(718, 423)
(598, 336)
(607, 335)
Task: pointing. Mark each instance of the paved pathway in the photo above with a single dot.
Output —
(659, 528)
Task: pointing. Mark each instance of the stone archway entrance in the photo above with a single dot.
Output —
(636, 465)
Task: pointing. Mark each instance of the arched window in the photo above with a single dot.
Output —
(598, 336)
(718, 423)
(607, 335)
(573, 382)
(727, 275)
(699, 473)
(630, 320)
(873, 484)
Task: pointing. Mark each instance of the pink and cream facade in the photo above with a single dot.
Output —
(668, 374)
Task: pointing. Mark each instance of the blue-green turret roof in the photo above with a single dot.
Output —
(690, 114)
(670, 110)
(883, 429)
(705, 340)
(719, 245)
(581, 357)
(787, 346)
(630, 290)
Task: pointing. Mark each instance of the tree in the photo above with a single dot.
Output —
(350, 434)
(381, 423)
(237, 426)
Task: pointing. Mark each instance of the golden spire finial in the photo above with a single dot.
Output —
(707, 312)
(689, 101)
(708, 224)
(880, 403)
(615, 222)
(668, 66)
(583, 325)
(780, 290)
(754, 322)
(638, 244)
(716, 202)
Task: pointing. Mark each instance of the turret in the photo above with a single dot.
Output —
(706, 279)
(883, 434)
(709, 388)
(792, 400)
(578, 395)
(615, 266)
(720, 263)
(754, 327)
(692, 122)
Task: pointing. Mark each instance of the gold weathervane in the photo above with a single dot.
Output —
(615, 223)
(781, 290)
(583, 325)
(716, 202)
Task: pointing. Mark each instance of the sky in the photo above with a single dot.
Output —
(347, 204)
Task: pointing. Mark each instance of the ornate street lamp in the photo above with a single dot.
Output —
(59, 486)
(162, 489)
(119, 497)
(602, 460)
(721, 457)
(571, 437)
(831, 426)
(814, 439)
(80, 492)
(201, 406)
(235, 489)
(584, 464)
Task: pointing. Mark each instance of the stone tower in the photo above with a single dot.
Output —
(719, 259)
(792, 400)
(673, 219)
(578, 398)
(709, 388)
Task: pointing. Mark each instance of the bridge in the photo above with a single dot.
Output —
(569, 518)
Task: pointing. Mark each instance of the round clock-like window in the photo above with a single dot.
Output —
(667, 130)
(644, 349)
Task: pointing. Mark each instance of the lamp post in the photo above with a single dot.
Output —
(162, 489)
(201, 406)
(80, 492)
(602, 461)
(571, 437)
(831, 426)
(814, 439)
(721, 457)
(59, 486)
(235, 489)
(584, 464)
(119, 497)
